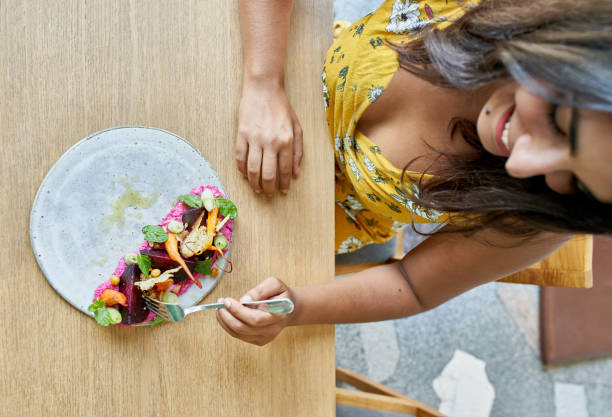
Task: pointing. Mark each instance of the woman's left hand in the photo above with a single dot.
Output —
(255, 325)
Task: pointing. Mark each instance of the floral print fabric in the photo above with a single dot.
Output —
(371, 204)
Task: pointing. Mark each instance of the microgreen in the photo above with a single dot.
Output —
(104, 315)
(144, 263)
(97, 304)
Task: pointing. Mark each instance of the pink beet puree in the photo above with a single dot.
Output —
(175, 214)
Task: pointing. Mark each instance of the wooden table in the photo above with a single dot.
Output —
(71, 68)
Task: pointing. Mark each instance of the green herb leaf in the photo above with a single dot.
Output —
(144, 263)
(227, 208)
(191, 200)
(97, 304)
(157, 320)
(155, 233)
(203, 267)
(103, 317)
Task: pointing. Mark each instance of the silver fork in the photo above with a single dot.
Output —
(174, 312)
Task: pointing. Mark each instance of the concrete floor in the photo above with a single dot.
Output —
(495, 324)
(492, 334)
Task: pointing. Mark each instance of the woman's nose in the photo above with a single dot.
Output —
(529, 158)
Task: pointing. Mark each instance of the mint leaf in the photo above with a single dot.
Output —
(157, 320)
(155, 233)
(227, 208)
(191, 200)
(97, 304)
(102, 317)
(144, 263)
(203, 267)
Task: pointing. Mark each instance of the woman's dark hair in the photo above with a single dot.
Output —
(558, 49)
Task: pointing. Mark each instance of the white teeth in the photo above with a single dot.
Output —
(505, 135)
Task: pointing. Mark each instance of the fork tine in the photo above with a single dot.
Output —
(160, 313)
(149, 302)
(164, 316)
(156, 308)
(152, 307)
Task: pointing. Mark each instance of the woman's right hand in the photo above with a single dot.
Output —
(255, 324)
(269, 141)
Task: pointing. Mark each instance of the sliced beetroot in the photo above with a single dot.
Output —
(161, 260)
(136, 311)
(191, 215)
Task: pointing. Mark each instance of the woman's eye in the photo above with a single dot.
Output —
(552, 120)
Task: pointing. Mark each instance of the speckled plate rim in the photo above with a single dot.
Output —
(32, 221)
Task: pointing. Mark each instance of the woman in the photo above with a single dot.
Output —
(495, 124)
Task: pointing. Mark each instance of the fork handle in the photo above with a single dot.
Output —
(276, 306)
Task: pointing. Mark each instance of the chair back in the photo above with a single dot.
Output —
(569, 266)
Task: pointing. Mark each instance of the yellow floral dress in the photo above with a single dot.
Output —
(371, 205)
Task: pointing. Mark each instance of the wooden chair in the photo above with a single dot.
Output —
(375, 396)
(569, 266)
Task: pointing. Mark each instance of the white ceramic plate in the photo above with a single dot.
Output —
(78, 236)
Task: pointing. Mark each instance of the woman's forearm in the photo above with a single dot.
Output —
(375, 294)
(439, 269)
(264, 27)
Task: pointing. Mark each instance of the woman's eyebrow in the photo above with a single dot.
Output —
(573, 129)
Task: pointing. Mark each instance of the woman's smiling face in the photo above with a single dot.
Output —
(537, 137)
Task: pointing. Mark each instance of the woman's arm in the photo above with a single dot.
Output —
(439, 269)
(269, 140)
(264, 28)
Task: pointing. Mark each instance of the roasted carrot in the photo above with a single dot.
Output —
(171, 246)
(112, 297)
(211, 223)
(211, 220)
(163, 286)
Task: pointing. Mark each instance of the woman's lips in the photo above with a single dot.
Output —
(500, 129)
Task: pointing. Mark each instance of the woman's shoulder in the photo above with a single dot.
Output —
(367, 39)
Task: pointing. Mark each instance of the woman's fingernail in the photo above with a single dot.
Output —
(220, 301)
(257, 191)
(246, 299)
(228, 303)
(284, 191)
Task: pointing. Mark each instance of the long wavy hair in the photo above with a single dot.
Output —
(560, 50)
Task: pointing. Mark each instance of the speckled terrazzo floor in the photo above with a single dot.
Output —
(486, 338)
